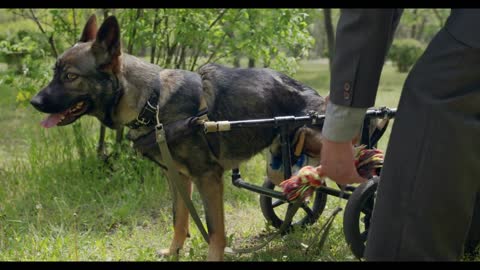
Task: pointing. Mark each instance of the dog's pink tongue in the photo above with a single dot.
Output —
(52, 120)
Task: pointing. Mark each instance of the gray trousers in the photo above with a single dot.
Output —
(428, 204)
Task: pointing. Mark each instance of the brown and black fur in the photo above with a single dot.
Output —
(116, 85)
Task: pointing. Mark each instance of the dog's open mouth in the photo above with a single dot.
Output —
(66, 117)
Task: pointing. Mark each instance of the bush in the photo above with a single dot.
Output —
(17, 49)
(405, 52)
(29, 67)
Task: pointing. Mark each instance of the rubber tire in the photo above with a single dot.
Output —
(363, 197)
(319, 203)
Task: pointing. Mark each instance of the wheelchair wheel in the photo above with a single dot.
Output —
(274, 210)
(357, 215)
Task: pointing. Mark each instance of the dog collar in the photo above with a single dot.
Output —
(147, 116)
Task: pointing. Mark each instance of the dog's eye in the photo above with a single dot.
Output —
(71, 76)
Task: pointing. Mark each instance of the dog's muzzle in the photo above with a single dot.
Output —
(38, 103)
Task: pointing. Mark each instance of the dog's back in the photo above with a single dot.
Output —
(253, 93)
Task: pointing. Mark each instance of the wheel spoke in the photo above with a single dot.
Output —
(277, 203)
(307, 210)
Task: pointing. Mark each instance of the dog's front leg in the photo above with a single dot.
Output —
(180, 217)
(210, 187)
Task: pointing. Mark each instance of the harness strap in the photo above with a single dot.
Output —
(178, 185)
(202, 116)
(174, 177)
(147, 116)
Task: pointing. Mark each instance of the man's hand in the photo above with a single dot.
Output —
(337, 161)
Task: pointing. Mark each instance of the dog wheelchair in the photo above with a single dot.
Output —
(287, 160)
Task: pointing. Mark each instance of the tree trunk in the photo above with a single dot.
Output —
(413, 29)
(101, 152)
(236, 61)
(330, 35)
(134, 32)
(119, 133)
(156, 22)
(119, 136)
(421, 28)
(105, 13)
(251, 62)
(74, 15)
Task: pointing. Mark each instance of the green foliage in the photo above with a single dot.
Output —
(173, 38)
(16, 48)
(405, 52)
(189, 38)
(421, 24)
(25, 53)
(279, 37)
(28, 51)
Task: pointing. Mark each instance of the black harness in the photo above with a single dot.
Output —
(173, 130)
(147, 116)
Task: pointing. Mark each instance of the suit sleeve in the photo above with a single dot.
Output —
(363, 39)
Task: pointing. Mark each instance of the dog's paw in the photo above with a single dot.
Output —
(170, 253)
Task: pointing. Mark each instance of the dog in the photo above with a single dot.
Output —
(95, 78)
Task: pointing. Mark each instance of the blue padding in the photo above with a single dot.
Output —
(300, 161)
(276, 162)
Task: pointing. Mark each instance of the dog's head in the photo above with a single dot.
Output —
(85, 77)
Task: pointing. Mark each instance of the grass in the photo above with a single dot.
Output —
(56, 206)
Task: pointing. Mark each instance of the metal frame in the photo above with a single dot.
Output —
(285, 123)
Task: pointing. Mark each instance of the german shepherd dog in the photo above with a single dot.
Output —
(95, 78)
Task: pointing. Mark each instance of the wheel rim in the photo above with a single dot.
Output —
(357, 216)
(365, 217)
(274, 209)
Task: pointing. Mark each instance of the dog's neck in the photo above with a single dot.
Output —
(136, 77)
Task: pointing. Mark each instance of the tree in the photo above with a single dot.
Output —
(330, 35)
(421, 24)
(185, 38)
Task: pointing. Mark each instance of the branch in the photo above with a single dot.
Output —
(74, 25)
(217, 19)
(197, 51)
(35, 19)
(134, 31)
(439, 17)
(50, 39)
(223, 39)
(156, 22)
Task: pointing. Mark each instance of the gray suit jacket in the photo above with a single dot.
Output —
(363, 39)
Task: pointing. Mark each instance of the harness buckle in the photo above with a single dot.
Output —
(150, 107)
(142, 121)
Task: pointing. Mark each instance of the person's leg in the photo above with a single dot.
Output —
(426, 196)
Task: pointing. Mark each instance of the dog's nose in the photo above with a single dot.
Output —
(37, 102)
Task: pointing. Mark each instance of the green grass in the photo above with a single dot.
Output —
(57, 206)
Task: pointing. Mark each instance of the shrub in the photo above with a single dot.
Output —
(405, 52)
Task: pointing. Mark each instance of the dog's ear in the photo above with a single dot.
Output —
(90, 29)
(107, 48)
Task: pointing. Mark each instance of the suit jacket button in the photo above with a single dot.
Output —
(346, 87)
